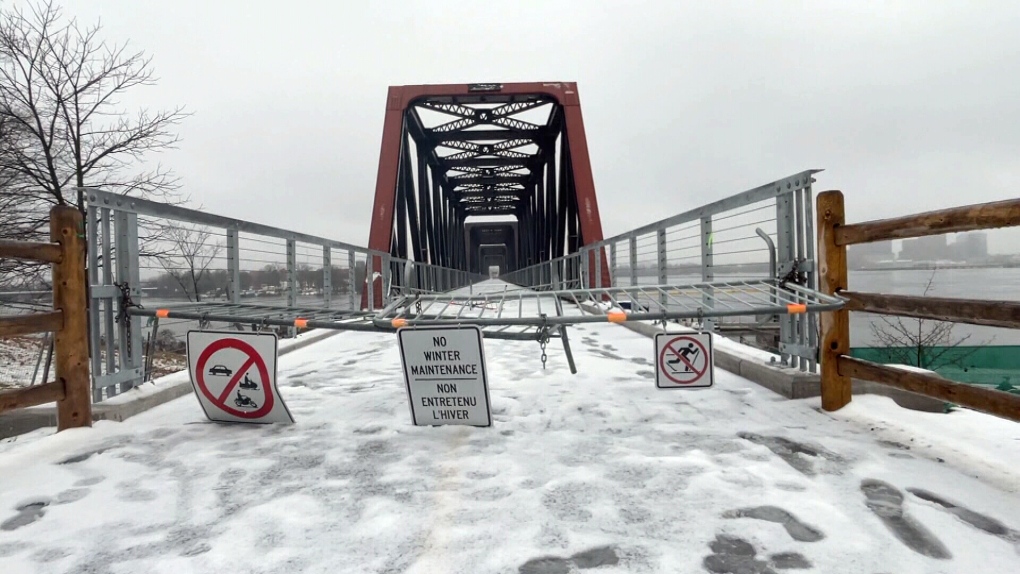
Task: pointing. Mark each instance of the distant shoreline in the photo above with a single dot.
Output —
(929, 266)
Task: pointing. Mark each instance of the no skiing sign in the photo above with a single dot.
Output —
(683, 361)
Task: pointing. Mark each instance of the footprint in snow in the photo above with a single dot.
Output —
(731, 555)
(91, 481)
(50, 554)
(601, 556)
(373, 429)
(794, 527)
(71, 495)
(605, 354)
(27, 514)
(12, 548)
(792, 451)
(481, 474)
(886, 501)
(490, 494)
(82, 457)
(977, 520)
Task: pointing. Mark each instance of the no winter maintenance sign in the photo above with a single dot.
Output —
(444, 370)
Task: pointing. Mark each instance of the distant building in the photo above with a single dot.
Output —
(868, 254)
(930, 248)
(970, 247)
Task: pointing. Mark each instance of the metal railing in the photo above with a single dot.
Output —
(765, 232)
(146, 253)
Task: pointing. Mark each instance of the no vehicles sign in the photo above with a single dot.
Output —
(683, 361)
(234, 375)
(444, 369)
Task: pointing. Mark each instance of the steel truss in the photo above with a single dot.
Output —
(454, 151)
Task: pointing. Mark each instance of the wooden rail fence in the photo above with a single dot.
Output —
(72, 388)
(838, 368)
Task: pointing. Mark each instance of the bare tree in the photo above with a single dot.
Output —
(19, 212)
(920, 342)
(193, 250)
(59, 89)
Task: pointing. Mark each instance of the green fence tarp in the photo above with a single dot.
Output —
(996, 366)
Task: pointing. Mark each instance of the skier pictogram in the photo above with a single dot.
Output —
(683, 361)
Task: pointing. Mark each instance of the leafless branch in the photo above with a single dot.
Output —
(192, 251)
(62, 126)
(920, 342)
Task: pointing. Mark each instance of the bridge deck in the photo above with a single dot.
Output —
(576, 471)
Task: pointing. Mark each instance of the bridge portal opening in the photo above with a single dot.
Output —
(492, 240)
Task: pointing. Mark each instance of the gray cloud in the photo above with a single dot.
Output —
(908, 105)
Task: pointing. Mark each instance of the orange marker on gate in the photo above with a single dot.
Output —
(796, 308)
(301, 323)
(616, 317)
(162, 313)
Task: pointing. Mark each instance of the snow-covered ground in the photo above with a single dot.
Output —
(595, 470)
(18, 359)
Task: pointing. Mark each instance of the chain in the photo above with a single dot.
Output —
(543, 342)
(417, 307)
(543, 339)
(793, 276)
(125, 303)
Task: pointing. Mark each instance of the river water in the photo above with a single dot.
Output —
(1000, 284)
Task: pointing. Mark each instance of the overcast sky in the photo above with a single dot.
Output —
(906, 105)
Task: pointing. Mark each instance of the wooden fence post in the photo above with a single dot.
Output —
(836, 388)
(71, 348)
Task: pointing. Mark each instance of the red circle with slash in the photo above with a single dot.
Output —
(664, 368)
(252, 359)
